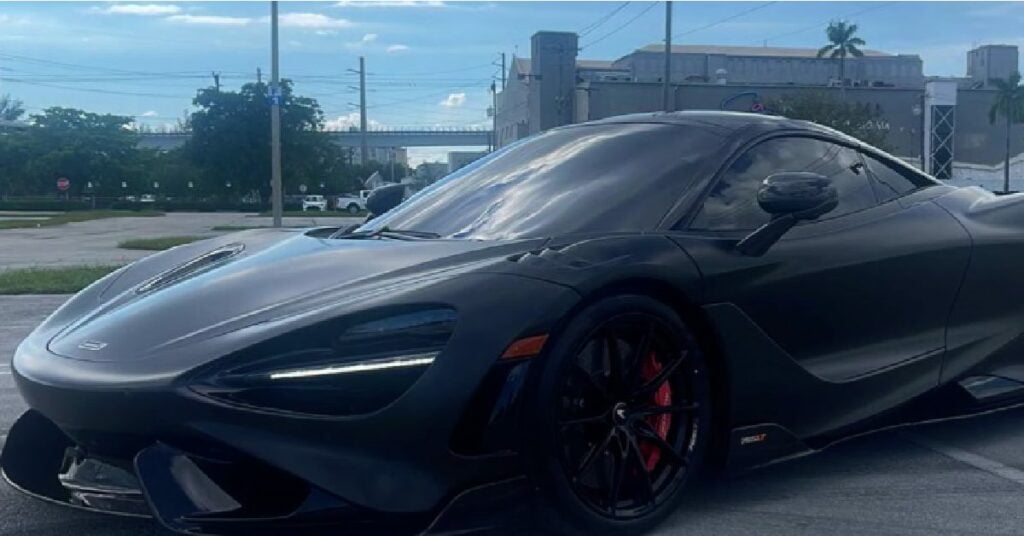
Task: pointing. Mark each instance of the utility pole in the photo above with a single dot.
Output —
(259, 76)
(364, 152)
(276, 193)
(216, 80)
(494, 116)
(666, 85)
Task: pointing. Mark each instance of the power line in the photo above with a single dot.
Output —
(601, 20)
(102, 91)
(621, 27)
(420, 97)
(460, 70)
(726, 19)
(819, 25)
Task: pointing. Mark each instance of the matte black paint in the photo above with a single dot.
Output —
(832, 331)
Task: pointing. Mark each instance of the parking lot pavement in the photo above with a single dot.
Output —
(957, 477)
(95, 242)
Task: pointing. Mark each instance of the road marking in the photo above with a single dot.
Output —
(974, 460)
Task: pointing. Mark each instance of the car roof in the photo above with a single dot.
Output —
(718, 120)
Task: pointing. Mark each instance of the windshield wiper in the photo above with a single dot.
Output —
(402, 234)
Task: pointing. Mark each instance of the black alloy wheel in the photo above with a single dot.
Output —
(631, 415)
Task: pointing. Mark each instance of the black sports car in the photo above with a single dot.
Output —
(580, 323)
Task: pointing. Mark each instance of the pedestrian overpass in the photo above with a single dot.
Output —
(391, 137)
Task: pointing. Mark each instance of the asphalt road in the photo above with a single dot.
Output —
(957, 477)
(95, 242)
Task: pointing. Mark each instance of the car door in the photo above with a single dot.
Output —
(862, 289)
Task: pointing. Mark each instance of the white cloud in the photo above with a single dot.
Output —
(396, 48)
(7, 20)
(312, 20)
(142, 9)
(344, 122)
(149, 113)
(453, 100)
(362, 43)
(390, 3)
(323, 24)
(210, 20)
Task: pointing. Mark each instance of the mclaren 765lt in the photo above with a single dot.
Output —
(583, 322)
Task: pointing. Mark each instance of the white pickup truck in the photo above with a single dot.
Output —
(353, 203)
(314, 202)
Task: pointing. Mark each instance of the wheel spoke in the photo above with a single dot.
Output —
(661, 410)
(594, 454)
(645, 431)
(582, 420)
(619, 473)
(645, 476)
(590, 381)
(663, 375)
(616, 378)
(639, 352)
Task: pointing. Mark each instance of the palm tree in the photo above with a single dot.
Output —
(841, 44)
(1009, 103)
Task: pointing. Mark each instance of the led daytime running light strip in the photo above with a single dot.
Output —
(405, 361)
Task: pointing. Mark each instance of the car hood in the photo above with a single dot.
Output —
(217, 286)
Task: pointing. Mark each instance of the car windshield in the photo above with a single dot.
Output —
(595, 178)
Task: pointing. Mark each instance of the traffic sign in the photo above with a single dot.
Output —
(63, 184)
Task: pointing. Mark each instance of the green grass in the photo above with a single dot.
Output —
(63, 280)
(71, 217)
(159, 243)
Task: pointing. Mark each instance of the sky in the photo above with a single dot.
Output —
(428, 63)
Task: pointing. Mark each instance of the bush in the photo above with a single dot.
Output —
(50, 205)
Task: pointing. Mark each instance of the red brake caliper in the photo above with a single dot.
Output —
(660, 423)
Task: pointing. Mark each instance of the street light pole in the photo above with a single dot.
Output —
(276, 193)
(666, 103)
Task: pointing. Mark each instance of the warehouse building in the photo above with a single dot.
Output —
(554, 88)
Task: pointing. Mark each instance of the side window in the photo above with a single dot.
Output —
(892, 182)
(732, 203)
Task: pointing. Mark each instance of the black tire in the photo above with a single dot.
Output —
(352, 208)
(590, 431)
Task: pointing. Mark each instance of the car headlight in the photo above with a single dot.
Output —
(346, 366)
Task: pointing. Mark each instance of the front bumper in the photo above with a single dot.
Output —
(398, 468)
(195, 494)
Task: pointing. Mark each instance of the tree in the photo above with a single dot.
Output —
(1009, 103)
(231, 140)
(860, 120)
(10, 109)
(65, 142)
(841, 44)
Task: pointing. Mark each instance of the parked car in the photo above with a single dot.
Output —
(352, 203)
(583, 322)
(317, 202)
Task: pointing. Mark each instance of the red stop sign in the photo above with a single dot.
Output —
(63, 184)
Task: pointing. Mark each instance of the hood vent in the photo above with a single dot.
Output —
(199, 264)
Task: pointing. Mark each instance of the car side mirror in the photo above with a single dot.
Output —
(789, 197)
(384, 199)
